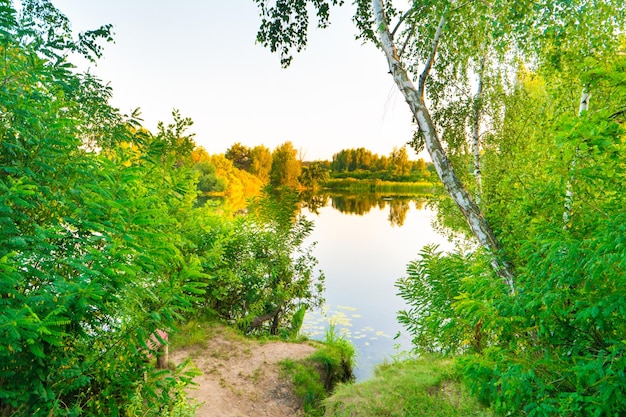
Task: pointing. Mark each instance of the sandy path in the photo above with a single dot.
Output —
(240, 377)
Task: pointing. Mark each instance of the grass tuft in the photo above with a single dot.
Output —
(315, 377)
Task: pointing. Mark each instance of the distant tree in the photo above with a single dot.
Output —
(351, 158)
(399, 164)
(313, 174)
(382, 163)
(286, 168)
(363, 159)
(240, 184)
(240, 155)
(199, 154)
(340, 162)
(261, 162)
(208, 181)
(419, 165)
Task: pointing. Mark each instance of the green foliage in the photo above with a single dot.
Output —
(571, 311)
(297, 320)
(308, 385)
(286, 167)
(285, 24)
(178, 405)
(91, 263)
(555, 347)
(430, 289)
(452, 299)
(314, 174)
(317, 376)
(259, 275)
(172, 140)
(416, 387)
(208, 181)
(336, 358)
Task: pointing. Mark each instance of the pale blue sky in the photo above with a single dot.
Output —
(200, 57)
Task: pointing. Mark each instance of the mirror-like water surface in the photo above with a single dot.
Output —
(362, 255)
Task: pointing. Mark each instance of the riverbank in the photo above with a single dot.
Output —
(241, 377)
(380, 186)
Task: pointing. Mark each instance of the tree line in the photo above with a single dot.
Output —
(361, 163)
(284, 166)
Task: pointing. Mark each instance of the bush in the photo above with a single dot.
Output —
(258, 274)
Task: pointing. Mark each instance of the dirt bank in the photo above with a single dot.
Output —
(241, 378)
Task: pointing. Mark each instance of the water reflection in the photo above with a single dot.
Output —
(314, 201)
(362, 253)
(361, 204)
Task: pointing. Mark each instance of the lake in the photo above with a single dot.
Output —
(364, 244)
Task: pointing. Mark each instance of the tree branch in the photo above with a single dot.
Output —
(402, 19)
(406, 42)
(617, 114)
(433, 52)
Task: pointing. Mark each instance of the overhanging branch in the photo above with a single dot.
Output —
(433, 53)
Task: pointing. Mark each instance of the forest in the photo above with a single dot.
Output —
(107, 236)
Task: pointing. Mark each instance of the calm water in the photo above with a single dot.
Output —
(363, 247)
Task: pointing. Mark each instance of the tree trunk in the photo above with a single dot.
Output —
(478, 102)
(415, 99)
(569, 187)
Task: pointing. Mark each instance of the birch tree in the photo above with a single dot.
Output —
(569, 190)
(435, 48)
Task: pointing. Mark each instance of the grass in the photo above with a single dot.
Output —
(315, 377)
(379, 186)
(192, 333)
(197, 332)
(416, 387)
(308, 384)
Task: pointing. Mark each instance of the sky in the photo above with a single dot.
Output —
(200, 57)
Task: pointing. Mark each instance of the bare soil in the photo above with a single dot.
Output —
(241, 377)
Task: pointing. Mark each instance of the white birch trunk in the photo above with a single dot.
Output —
(415, 99)
(476, 133)
(569, 187)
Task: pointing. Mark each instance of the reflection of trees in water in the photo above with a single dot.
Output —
(397, 212)
(361, 204)
(355, 204)
(314, 202)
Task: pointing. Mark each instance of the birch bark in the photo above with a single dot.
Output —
(415, 99)
(478, 99)
(569, 188)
